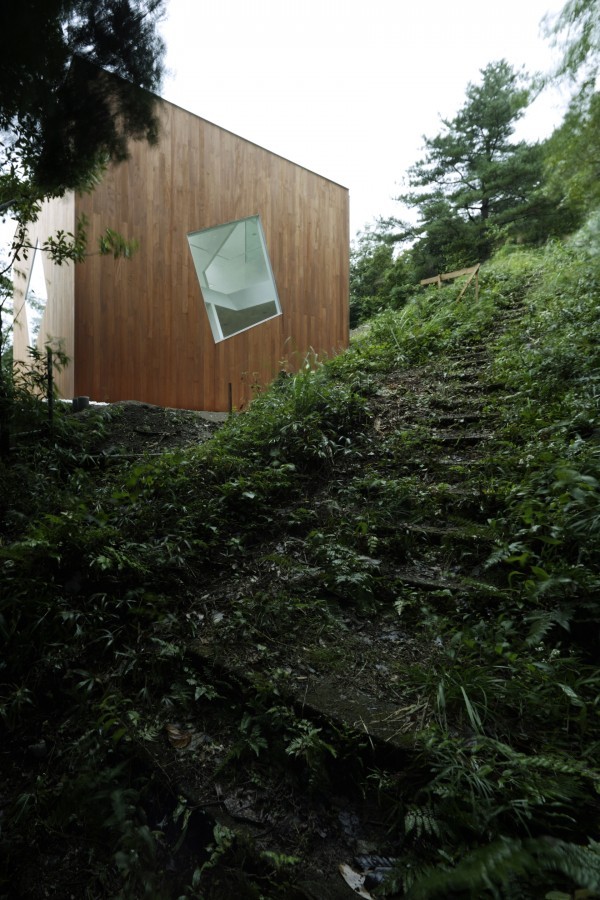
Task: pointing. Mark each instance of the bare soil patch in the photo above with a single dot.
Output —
(134, 428)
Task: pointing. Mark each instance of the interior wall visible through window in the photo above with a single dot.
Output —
(235, 275)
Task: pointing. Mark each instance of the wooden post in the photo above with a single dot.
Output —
(5, 407)
(5, 411)
(50, 387)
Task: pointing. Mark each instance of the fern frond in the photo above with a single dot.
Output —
(550, 763)
(420, 821)
(542, 621)
(494, 867)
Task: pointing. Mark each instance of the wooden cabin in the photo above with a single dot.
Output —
(242, 270)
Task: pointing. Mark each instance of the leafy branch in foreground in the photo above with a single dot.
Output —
(74, 91)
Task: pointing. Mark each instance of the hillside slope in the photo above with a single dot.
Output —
(357, 627)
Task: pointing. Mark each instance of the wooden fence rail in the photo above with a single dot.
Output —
(473, 271)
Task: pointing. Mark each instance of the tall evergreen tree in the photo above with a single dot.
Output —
(474, 178)
(75, 83)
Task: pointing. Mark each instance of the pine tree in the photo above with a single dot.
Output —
(474, 179)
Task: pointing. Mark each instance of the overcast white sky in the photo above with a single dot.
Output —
(349, 88)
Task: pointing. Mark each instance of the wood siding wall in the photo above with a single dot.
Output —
(58, 319)
(139, 330)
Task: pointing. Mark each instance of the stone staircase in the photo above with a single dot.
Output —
(282, 755)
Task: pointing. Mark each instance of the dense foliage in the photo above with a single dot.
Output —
(378, 280)
(110, 570)
(76, 78)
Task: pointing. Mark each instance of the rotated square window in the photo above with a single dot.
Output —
(235, 276)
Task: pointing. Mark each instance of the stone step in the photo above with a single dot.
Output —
(323, 698)
(444, 581)
(469, 354)
(458, 437)
(457, 418)
(190, 797)
(470, 405)
(457, 500)
(435, 417)
(442, 534)
(482, 387)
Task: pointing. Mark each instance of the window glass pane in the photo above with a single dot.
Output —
(235, 276)
(233, 320)
(36, 297)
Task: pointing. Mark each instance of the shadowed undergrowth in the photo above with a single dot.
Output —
(414, 524)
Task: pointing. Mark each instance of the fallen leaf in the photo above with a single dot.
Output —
(178, 738)
(355, 881)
